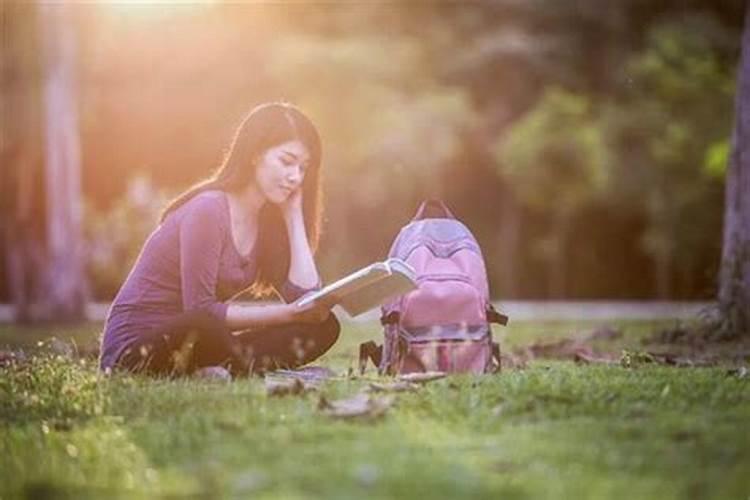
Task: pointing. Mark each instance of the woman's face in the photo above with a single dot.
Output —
(281, 170)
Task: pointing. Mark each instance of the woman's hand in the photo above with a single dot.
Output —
(314, 312)
(302, 271)
(240, 316)
(292, 206)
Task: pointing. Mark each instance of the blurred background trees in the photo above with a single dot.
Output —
(556, 160)
(42, 214)
(584, 143)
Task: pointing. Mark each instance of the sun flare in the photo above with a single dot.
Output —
(153, 7)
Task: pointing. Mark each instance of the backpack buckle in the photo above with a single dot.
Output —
(369, 351)
(392, 318)
(495, 317)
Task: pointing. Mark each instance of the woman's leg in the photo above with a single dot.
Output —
(288, 346)
(191, 340)
(194, 340)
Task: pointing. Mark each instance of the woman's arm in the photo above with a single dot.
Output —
(302, 270)
(201, 234)
(240, 316)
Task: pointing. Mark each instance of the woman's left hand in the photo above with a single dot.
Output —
(292, 206)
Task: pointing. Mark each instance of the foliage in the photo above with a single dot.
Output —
(671, 125)
(557, 162)
(52, 389)
(555, 157)
(411, 99)
(114, 237)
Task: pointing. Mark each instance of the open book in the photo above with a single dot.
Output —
(368, 287)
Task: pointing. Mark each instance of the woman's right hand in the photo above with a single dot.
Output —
(314, 312)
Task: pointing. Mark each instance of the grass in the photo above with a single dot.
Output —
(553, 430)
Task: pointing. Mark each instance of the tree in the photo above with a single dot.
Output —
(556, 161)
(669, 116)
(734, 278)
(22, 212)
(43, 232)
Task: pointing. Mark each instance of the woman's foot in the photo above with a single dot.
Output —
(213, 373)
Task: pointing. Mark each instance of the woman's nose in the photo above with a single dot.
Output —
(295, 175)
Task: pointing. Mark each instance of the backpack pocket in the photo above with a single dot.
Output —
(449, 356)
(452, 348)
(443, 299)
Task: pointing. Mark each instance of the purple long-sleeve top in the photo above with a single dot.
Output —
(189, 262)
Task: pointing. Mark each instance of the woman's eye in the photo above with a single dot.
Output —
(287, 161)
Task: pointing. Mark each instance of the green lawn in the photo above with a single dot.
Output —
(553, 430)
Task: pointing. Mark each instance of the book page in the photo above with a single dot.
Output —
(401, 267)
(377, 293)
(367, 288)
(347, 284)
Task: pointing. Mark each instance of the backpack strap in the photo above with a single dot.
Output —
(496, 358)
(433, 209)
(391, 318)
(495, 317)
(369, 351)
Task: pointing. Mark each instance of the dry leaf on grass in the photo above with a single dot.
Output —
(393, 387)
(512, 361)
(286, 387)
(8, 358)
(604, 333)
(586, 359)
(315, 374)
(363, 405)
(421, 377)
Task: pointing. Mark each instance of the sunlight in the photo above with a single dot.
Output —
(153, 8)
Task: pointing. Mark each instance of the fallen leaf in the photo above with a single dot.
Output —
(421, 377)
(740, 372)
(286, 387)
(306, 373)
(362, 405)
(8, 358)
(393, 387)
(512, 361)
(586, 359)
(213, 374)
(62, 348)
(604, 333)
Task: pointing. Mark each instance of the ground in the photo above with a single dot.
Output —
(555, 429)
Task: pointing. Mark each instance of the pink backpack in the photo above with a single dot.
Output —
(443, 325)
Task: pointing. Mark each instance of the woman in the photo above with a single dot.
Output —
(253, 224)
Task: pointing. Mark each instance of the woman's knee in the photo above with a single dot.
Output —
(316, 340)
(328, 331)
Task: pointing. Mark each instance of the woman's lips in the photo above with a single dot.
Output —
(287, 190)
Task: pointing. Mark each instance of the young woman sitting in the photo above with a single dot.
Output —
(253, 224)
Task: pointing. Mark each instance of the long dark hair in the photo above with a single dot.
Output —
(263, 127)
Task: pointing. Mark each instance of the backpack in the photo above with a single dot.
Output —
(443, 325)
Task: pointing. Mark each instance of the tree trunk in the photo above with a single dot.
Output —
(22, 200)
(44, 237)
(558, 275)
(508, 237)
(663, 274)
(734, 277)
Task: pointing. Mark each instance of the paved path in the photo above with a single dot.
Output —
(520, 310)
